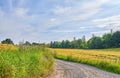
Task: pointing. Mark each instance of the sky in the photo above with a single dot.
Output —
(57, 20)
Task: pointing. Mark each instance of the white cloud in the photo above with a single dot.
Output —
(112, 22)
(61, 10)
(102, 25)
(100, 32)
(17, 29)
(81, 11)
(110, 19)
(68, 30)
(62, 31)
(20, 11)
(85, 15)
(103, 1)
(53, 19)
(83, 27)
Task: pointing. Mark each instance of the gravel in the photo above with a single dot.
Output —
(64, 69)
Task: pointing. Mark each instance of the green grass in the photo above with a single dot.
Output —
(107, 50)
(30, 62)
(112, 49)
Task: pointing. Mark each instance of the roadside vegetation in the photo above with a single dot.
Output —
(25, 61)
(106, 59)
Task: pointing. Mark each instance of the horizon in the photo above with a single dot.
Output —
(74, 38)
(56, 20)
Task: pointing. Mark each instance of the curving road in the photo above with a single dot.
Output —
(64, 69)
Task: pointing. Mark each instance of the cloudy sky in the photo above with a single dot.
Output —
(46, 20)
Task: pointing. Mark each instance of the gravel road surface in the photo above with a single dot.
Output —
(64, 69)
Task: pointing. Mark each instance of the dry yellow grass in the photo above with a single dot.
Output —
(106, 59)
(97, 55)
(8, 47)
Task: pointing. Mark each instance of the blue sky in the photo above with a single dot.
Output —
(56, 20)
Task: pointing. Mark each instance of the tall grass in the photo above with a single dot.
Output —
(30, 62)
(103, 59)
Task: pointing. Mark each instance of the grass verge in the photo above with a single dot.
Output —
(26, 62)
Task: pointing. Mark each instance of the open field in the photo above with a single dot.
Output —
(106, 59)
(25, 62)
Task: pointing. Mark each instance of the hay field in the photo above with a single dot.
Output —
(106, 59)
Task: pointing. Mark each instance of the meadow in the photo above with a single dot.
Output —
(106, 59)
(25, 62)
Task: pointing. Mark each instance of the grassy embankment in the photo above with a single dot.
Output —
(106, 59)
(26, 62)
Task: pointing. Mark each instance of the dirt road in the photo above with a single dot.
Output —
(65, 69)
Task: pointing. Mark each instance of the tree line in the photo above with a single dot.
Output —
(26, 43)
(109, 40)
